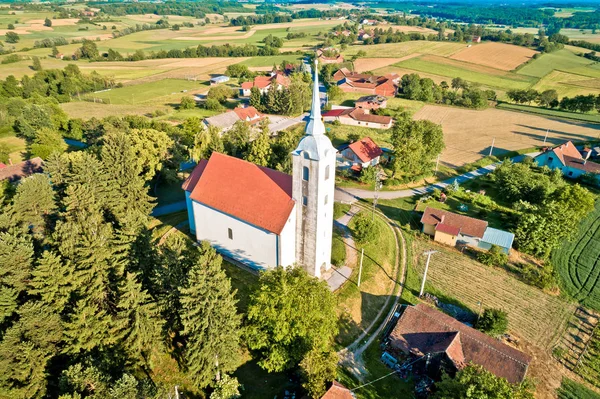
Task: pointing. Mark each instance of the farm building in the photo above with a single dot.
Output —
(371, 102)
(219, 79)
(354, 82)
(358, 117)
(476, 39)
(225, 121)
(363, 153)
(500, 238)
(438, 344)
(264, 83)
(363, 35)
(338, 391)
(453, 229)
(15, 172)
(264, 218)
(571, 162)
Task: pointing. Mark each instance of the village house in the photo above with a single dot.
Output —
(438, 343)
(354, 82)
(363, 34)
(362, 153)
(226, 120)
(569, 160)
(264, 83)
(18, 171)
(345, 33)
(329, 58)
(451, 229)
(371, 102)
(476, 39)
(369, 22)
(338, 391)
(358, 117)
(264, 218)
(60, 56)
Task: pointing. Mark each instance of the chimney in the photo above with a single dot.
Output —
(10, 161)
(442, 219)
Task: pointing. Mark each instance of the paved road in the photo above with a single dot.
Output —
(350, 195)
(283, 123)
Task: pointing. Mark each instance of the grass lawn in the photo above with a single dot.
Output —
(533, 315)
(338, 247)
(568, 84)
(470, 72)
(269, 61)
(161, 224)
(340, 210)
(16, 145)
(590, 117)
(244, 282)
(167, 193)
(359, 306)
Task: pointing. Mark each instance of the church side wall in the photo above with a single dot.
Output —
(249, 244)
(287, 241)
(190, 212)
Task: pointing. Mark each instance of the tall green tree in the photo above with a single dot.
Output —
(16, 259)
(260, 148)
(46, 142)
(210, 319)
(52, 281)
(290, 314)
(34, 201)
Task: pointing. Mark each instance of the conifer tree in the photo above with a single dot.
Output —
(16, 257)
(210, 319)
(260, 149)
(51, 280)
(256, 99)
(140, 320)
(34, 201)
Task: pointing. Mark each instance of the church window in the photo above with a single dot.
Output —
(305, 173)
(327, 172)
(305, 200)
(326, 199)
(230, 234)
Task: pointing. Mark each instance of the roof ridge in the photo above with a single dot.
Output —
(473, 338)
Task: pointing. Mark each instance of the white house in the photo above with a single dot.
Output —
(226, 120)
(265, 218)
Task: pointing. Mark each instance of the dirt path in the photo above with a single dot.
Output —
(350, 356)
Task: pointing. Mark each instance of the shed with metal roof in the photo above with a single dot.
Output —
(501, 238)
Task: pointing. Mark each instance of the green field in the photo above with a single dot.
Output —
(589, 367)
(562, 60)
(578, 262)
(476, 74)
(570, 389)
(270, 61)
(151, 92)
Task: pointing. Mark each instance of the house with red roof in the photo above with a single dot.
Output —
(436, 343)
(226, 120)
(569, 160)
(358, 117)
(362, 153)
(21, 170)
(264, 83)
(354, 82)
(338, 391)
(329, 56)
(264, 218)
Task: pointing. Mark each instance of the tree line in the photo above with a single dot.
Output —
(190, 9)
(549, 99)
(459, 92)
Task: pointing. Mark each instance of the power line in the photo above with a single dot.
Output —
(393, 372)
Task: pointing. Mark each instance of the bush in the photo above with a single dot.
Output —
(187, 103)
(493, 322)
(368, 175)
(541, 277)
(494, 257)
(212, 104)
(365, 230)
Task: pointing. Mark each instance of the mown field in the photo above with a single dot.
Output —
(572, 390)
(589, 368)
(578, 262)
(533, 315)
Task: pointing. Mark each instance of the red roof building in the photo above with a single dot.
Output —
(338, 391)
(363, 152)
(226, 120)
(21, 170)
(569, 160)
(354, 82)
(433, 217)
(422, 330)
(264, 83)
(358, 117)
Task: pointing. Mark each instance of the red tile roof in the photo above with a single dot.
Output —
(335, 112)
(366, 149)
(247, 85)
(422, 329)
(566, 149)
(446, 228)
(247, 113)
(338, 391)
(359, 114)
(255, 194)
(22, 169)
(192, 180)
(467, 225)
(2, 165)
(581, 164)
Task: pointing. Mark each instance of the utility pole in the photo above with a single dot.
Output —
(546, 136)
(218, 377)
(437, 162)
(362, 254)
(492, 147)
(377, 188)
(176, 392)
(479, 313)
(428, 253)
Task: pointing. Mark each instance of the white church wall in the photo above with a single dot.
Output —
(249, 244)
(287, 241)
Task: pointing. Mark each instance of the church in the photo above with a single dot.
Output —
(264, 218)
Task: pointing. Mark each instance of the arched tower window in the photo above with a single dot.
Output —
(305, 173)
(327, 172)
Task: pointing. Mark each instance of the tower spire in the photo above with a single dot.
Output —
(315, 124)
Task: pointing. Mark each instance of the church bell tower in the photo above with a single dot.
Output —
(313, 190)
